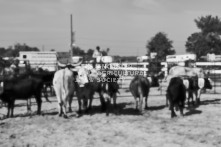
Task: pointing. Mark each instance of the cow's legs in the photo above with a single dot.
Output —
(108, 102)
(60, 109)
(12, 108)
(45, 93)
(190, 96)
(90, 102)
(9, 109)
(29, 106)
(79, 105)
(181, 111)
(51, 90)
(70, 102)
(141, 103)
(168, 101)
(146, 106)
(39, 102)
(195, 94)
(115, 100)
(137, 101)
(64, 109)
(173, 114)
(58, 94)
(181, 106)
(103, 104)
(85, 104)
(108, 106)
(198, 96)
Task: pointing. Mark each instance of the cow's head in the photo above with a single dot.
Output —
(82, 77)
(208, 84)
(94, 75)
(109, 85)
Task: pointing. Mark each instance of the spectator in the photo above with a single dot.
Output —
(97, 55)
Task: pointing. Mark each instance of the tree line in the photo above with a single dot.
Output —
(13, 51)
(207, 40)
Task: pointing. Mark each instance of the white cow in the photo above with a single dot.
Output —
(63, 83)
(180, 71)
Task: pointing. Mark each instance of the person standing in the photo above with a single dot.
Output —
(97, 55)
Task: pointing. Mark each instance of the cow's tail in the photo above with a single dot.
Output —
(140, 91)
(63, 85)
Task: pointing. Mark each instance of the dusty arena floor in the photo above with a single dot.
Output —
(200, 127)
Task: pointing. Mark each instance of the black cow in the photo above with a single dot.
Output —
(84, 94)
(106, 87)
(176, 94)
(21, 89)
(140, 88)
(47, 78)
(195, 86)
(109, 90)
(191, 87)
(85, 89)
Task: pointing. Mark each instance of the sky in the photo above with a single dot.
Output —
(124, 26)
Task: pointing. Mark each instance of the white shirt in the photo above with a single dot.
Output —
(96, 54)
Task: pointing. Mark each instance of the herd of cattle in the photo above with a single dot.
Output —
(84, 83)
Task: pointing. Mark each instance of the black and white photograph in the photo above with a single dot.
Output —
(110, 73)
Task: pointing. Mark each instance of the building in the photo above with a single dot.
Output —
(180, 58)
(142, 58)
(37, 59)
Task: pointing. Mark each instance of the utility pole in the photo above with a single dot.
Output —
(72, 38)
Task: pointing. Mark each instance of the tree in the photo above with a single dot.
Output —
(90, 52)
(2, 51)
(208, 40)
(105, 52)
(208, 24)
(14, 51)
(161, 45)
(197, 44)
(77, 51)
(22, 47)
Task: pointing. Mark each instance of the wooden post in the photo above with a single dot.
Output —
(72, 39)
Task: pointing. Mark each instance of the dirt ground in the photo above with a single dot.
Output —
(125, 127)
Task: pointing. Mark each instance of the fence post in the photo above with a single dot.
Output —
(161, 91)
(215, 79)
